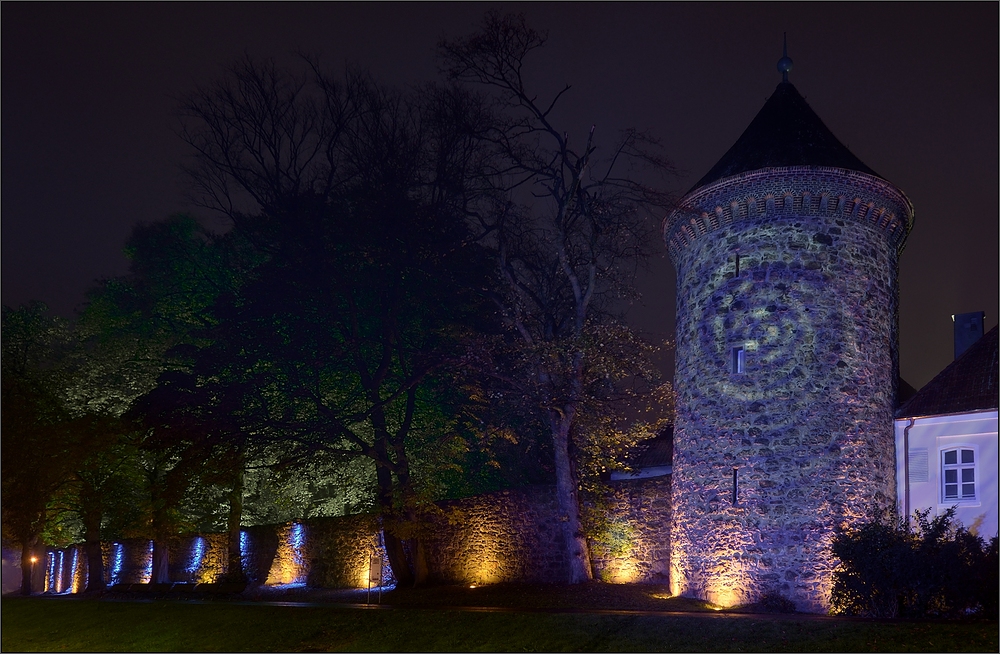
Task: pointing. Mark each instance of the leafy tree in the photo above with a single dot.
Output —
(568, 231)
(355, 197)
(134, 326)
(39, 443)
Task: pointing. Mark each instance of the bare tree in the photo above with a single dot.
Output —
(355, 195)
(569, 230)
(262, 137)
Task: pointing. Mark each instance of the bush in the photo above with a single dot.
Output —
(936, 568)
(772, 601)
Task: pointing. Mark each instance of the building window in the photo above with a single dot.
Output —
(958, 468)
(739, 360)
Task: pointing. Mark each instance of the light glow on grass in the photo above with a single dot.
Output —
(40, 625)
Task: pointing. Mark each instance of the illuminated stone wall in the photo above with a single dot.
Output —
(510, 535)
(507, 536)
(128, 561)
(638, 514)
(339, 550)
(65, 570)
(258, 546)
(514, 536)
(201, 559)
(808, 423)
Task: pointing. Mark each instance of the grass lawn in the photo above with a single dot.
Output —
(72, 624)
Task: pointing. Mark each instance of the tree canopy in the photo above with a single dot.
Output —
(418, 297)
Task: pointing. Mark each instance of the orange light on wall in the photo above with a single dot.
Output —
(621, 571)
(289, 565)
(79, 579)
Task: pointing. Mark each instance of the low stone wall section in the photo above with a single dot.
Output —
(338, 551)
(639, 510)
(507, 536)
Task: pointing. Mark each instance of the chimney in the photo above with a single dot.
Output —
(968, 330)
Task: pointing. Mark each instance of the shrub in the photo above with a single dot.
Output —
(772, 601)
(889, 568)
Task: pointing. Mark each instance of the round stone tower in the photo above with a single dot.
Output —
(786, 360)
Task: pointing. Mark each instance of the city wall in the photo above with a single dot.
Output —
(506, 536)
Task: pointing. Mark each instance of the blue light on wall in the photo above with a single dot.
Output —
(147, 574)
(117, 560)
(59, 571)
(72, 567)
(197, 554)
(244, 550)
(298, 541)
(50, 582)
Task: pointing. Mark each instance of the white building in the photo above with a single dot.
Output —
(946, 442)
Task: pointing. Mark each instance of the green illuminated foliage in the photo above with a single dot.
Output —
(567, 229)
(355, 199)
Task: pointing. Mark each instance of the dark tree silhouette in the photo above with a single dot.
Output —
(39, 445)
(568, 231)
(356, 198)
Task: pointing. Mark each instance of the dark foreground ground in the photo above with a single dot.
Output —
(592, 617)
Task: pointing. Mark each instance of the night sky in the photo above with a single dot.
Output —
(89, 93)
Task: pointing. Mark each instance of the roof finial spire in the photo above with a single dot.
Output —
(785, 63)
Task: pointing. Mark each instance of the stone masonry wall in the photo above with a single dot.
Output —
(507, 536)
(638, 512)
(510, 535)
(808, 425)
(339, 551)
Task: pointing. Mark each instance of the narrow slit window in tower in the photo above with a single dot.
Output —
(736, 486)
(739, 360)
(737, 259)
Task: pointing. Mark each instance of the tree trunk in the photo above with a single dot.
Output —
(578, 554)
(397, 559)
(161, 562)
(95, 557)
(161, 551)
(234, 571)
(27, 566)
(421, 569)
(393, 545)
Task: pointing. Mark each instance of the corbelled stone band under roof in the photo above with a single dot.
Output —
(834, 193)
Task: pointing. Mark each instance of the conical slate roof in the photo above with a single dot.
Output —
(786, 132)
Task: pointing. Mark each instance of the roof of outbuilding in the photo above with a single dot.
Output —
(969, 383)
(903, 392)
(786, 132)
(657, 451)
